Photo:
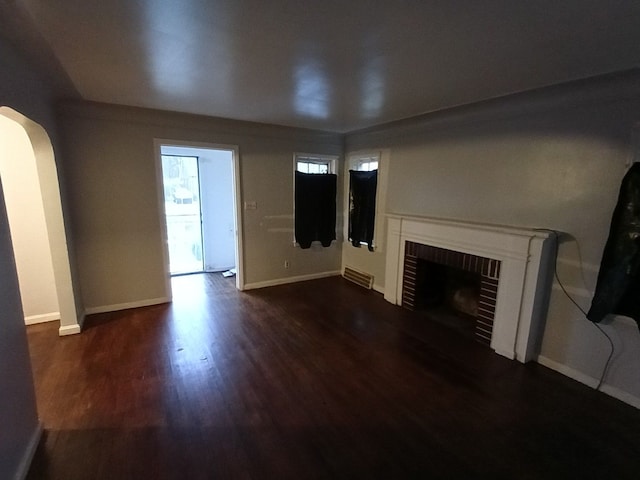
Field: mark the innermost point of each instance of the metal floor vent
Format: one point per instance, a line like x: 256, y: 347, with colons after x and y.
x: 360, y: 278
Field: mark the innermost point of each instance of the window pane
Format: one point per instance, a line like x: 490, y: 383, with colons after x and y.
x: 367, y: 166
x: 312, y: 167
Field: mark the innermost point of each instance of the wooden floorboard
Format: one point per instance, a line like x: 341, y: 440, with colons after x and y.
x: 315, y: 380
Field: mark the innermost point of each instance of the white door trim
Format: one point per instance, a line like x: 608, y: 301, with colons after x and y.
x: 237, y: 196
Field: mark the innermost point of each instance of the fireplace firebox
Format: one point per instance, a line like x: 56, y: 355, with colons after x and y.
x: 456, y: 288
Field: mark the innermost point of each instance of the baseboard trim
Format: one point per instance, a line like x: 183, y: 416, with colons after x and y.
x: 27, y: 458
x: 125, y: 306
x: 284, y: 281
x: 378, y: 288
x: 42, y: 318
x: 578, y: 376
x: 65, y: 330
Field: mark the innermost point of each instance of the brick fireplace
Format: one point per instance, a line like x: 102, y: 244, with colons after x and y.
x: 513, y: 265
x: 486, y: 269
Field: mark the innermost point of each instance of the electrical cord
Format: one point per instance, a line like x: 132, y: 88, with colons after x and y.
x: 577, y: 305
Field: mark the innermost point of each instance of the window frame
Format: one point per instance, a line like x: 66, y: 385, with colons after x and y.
x: 318, y: 159
x: 355, y: 159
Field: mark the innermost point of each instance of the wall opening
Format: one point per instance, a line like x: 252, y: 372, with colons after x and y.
x: 199, y: 201
x: 45, y: 199
x: 29, y: 235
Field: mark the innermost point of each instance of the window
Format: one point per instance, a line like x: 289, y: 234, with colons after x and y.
x: 366, y: 164
x: 370, y: 231
x: 314, y: 199
x: 314, y: 163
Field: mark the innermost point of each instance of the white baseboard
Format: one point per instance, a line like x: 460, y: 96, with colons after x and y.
x: 69, y: 329
x: 510, y: 354
x: 283, y: 281
x: 30, y: 451
x: 378, y: 288
x: 126, y: 306
x: 42, y: 318
x: 589, y: 381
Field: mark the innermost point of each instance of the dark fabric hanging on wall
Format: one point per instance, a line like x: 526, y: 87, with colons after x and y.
x: 362, y: 209
x: 315, y: 208
x: 618, y: 286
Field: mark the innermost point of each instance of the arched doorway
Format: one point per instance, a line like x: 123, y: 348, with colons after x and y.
x: 50, y: 195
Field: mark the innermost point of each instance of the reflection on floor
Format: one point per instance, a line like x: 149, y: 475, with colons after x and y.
x: 320, y: 379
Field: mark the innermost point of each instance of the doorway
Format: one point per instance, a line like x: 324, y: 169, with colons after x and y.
x: 37, y: 157
x: 199, y: 192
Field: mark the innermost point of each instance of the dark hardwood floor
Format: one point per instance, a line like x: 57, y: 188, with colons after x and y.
x: 314, y: 380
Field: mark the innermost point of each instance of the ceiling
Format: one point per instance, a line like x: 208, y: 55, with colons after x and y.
x: 331, y: 65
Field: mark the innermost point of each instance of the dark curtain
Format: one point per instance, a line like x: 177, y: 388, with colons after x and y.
x: 362, y: 209
x: 618, y: 286
x: 315, y: 208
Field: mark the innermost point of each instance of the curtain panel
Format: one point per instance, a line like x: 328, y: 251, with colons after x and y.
x: 362, y: 207
x: 315, y: 208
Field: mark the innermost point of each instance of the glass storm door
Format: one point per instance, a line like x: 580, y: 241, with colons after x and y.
x: 183, y: 214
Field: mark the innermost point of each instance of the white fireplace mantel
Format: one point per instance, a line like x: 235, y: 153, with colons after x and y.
x: 526, y: 267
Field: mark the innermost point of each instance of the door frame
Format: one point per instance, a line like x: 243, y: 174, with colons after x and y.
x: 158, y: 143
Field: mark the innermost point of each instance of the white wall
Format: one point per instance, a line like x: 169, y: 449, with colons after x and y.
x: 27, y: 221
x: 20, y: 88
x: 113, y: 186
x: 216, y: 196
x: 549, y: 159
x: 27, y: 97
x: 18, y: 415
